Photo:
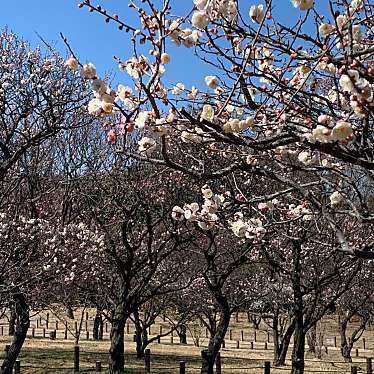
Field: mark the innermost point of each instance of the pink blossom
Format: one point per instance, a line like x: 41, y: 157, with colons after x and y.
x: 111, y: 136
x: 263, y: 207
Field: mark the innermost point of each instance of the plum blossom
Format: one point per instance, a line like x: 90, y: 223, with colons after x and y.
x: 72, y: 63
x: 211, y: 81
x: 111, y: 136
x: 200, y: 19
x: 141, y: 119
x: 336, y: 198
x: 88, y: 71
x: 342, y: 130
x: 146, y: 145
x: 326, y: 29
x: 124, y: 92
x: 165, y: 58
x: 303, y: 4
x: 177, y: 213
x: 178, y: 89
x: 256, y: 12
x: 207, y: 113
x: 94, y: 107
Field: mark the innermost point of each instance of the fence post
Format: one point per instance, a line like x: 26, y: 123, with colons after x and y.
x: 87, y: 335
x: 147, y: 360
x: 33, y: 332
x: 251, y: 345
x: 230, y: 334
x: 268, y: 337
x: 218, y: 363
x: 335, y: 342
x: 354, y: 370
x: 369, y: 366
x: 171, y: 339
x: 267, y: 367
x: 43, y: 332
x: 76, y: 358
x: 255, y: 336
x: 357, y: 354
x: 237, y: 344
x: 52, y: 335
x: 223, y: 343
x: 364, y: 343
x: 17, y: 367
x: 98, y: 366
x: 182, y: 367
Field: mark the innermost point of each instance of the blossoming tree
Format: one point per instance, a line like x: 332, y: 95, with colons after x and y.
x: 299, y: 95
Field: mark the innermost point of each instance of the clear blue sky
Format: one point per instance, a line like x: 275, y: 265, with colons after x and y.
x: 96, y: 41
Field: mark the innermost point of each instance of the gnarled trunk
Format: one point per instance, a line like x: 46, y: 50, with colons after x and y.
x: 141, y: 336
x: 117, y: 346
x: 298, y: 352
x: 209, y: 355
x: 282, y: 344
x: 345, y: 346
x: 22, y: 325
x: 117, y: 335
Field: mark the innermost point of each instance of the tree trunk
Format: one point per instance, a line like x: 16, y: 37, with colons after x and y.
x: 117, y: 347
x: 69, y: 312
x: 12, y: 321
x: 281, y: 354
x: 298, y: 350
x: 117, y: 334
x: 298, y: 353
x: 345, y: 346
x: 98, y: 326
x: 182, y: 333
x: 311, y: 338
x: 209, y: 355
x: 22, y: 325
x: 141, y: 336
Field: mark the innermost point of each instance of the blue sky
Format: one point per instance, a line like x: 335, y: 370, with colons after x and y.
x: 94, y: 40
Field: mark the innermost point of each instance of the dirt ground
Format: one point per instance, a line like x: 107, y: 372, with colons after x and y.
x: 44, y: 356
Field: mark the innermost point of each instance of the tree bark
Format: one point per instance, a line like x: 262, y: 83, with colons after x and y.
x: 182, y: 333
x: 345, y: 346
x: 210, y: 354
x: 98, y: 326
x: 298, y: 353
x: 12, y: 321
x: 283, y: 344
x: 117, y: 337
x: 22, y: 325
x: 141, y: 336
